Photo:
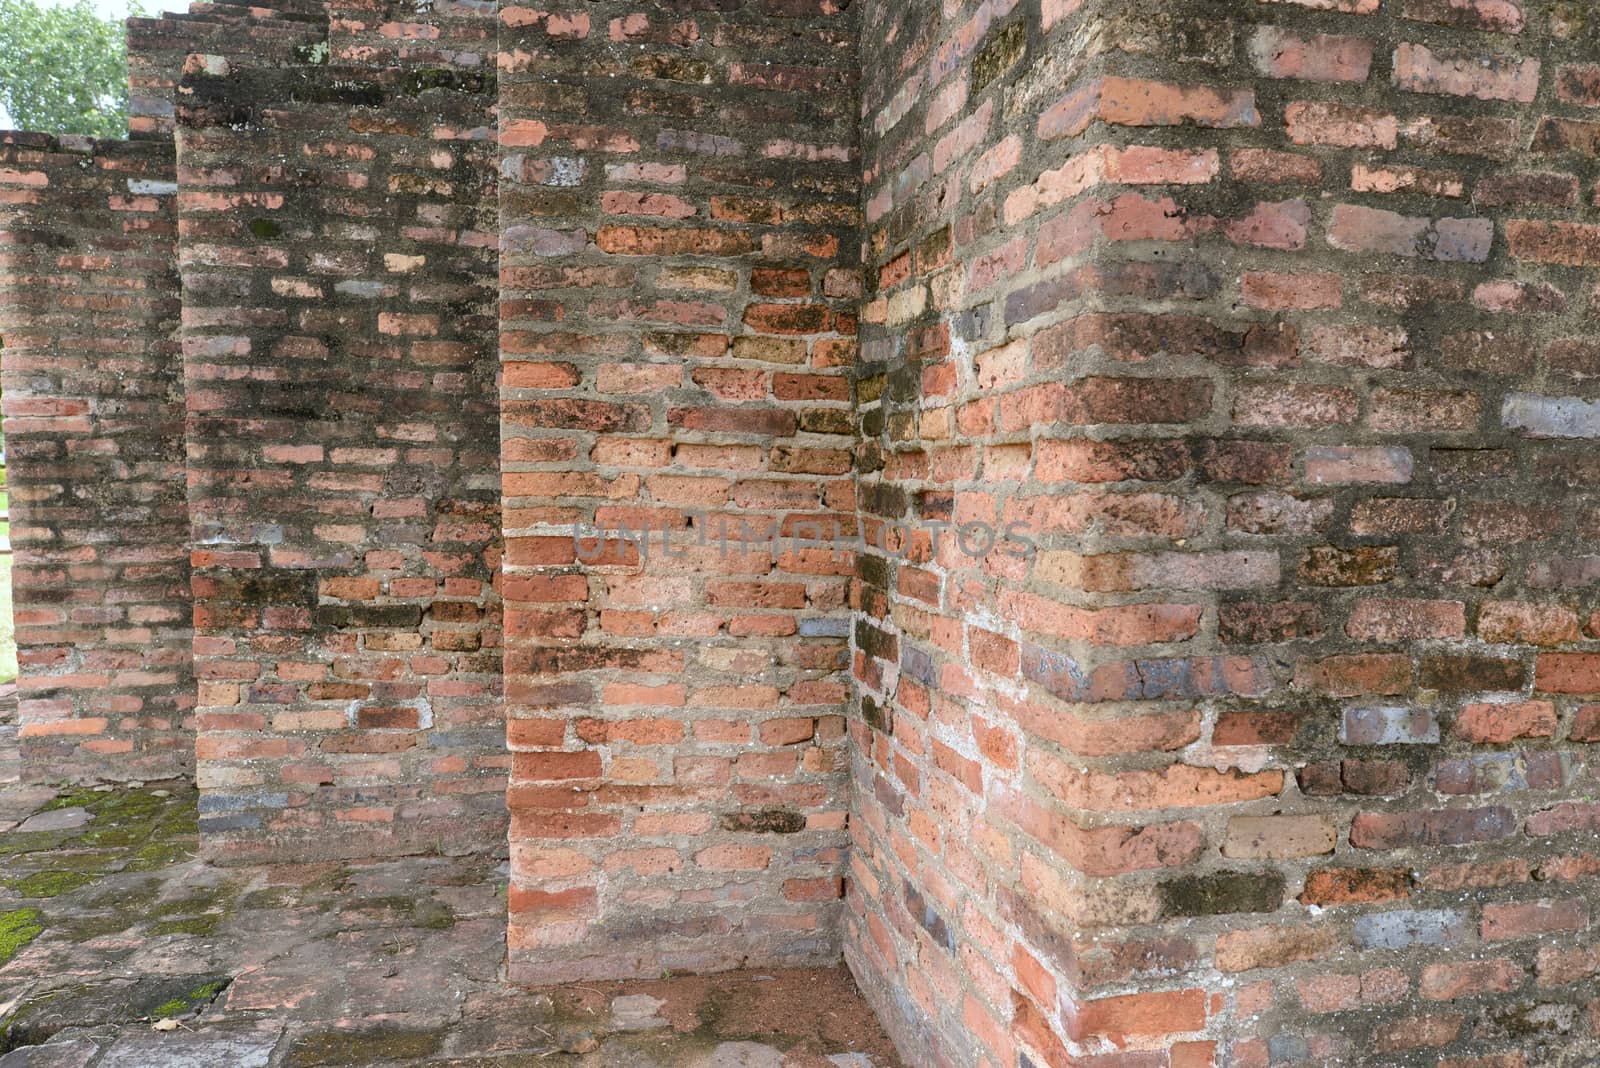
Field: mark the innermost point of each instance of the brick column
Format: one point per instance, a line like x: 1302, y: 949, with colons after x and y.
x: 1268, y: 320
x: 677, y: 326
x: 338, y: 253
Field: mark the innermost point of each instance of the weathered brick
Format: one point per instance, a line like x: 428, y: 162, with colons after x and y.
x: 1355, y: 886
x: 1319, y: 58
x: 1451, y: 827
x: 1418, y: 69
x: 1279, y: 837
x: 1528, y: 918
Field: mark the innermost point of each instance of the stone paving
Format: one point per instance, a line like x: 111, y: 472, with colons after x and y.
x: 120, y: 949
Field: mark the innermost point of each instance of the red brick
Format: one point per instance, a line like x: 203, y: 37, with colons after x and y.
x: 1320, y: 58
x: 1134, y: 102
x: 1340, y: 125
x: 1446, y: 982
x: 1505, y: 723
x: 1526, y: 919
x: 1355, y: 886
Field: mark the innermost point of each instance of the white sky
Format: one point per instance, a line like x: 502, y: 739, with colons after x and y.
x: 107, y: 9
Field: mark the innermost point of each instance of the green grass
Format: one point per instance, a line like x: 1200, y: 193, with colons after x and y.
x: 8, y: 632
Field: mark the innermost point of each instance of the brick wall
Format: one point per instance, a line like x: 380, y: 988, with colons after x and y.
x: 338, y: 252
x: 1268, y: 319
x: 1200, y: 595
x: 678, y: 289
x: 94, y: 436
x: 255, y: 34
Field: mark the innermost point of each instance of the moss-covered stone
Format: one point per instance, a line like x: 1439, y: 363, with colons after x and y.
x: 127, y: 804
x: 116, y: 835
x: 153, y: 856
x: 17, y: 844
x: 410, y: 912
x: 91, y: 860
x: 183, y: 823
x: 328, y: 1048
x: 88, y: 928
x: 190, y: 1002
x: 75, y: 799
x: 17, y: 929
x: 126, y: 896
x: 434, y: 915
x: 389, y: 903
x: 43, y: 884
x: 200, y: 926
x: 273, y: 897
x: 200, y: 899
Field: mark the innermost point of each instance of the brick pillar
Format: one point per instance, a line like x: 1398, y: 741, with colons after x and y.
x: 677, y: 325
x: 94, y: 440
x: 338, y: 252
x: 1268, y: 319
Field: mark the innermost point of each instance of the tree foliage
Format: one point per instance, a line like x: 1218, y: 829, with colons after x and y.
x: 63, y: 70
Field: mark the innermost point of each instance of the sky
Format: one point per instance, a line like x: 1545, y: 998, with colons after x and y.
x: 107, y: 9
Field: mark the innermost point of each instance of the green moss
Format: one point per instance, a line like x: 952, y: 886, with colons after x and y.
x: 116, y: 836
x: 156, y: 855
x: 265, y: 228
x: 127, y: 804
x: 15, y: 844
x: 191, y: 1002
x: 64, y: 858
x: 17, y: 929
x: 51, y: 883
x: 75, y: 799
x: 209, y: 991
x: 183, y: 823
